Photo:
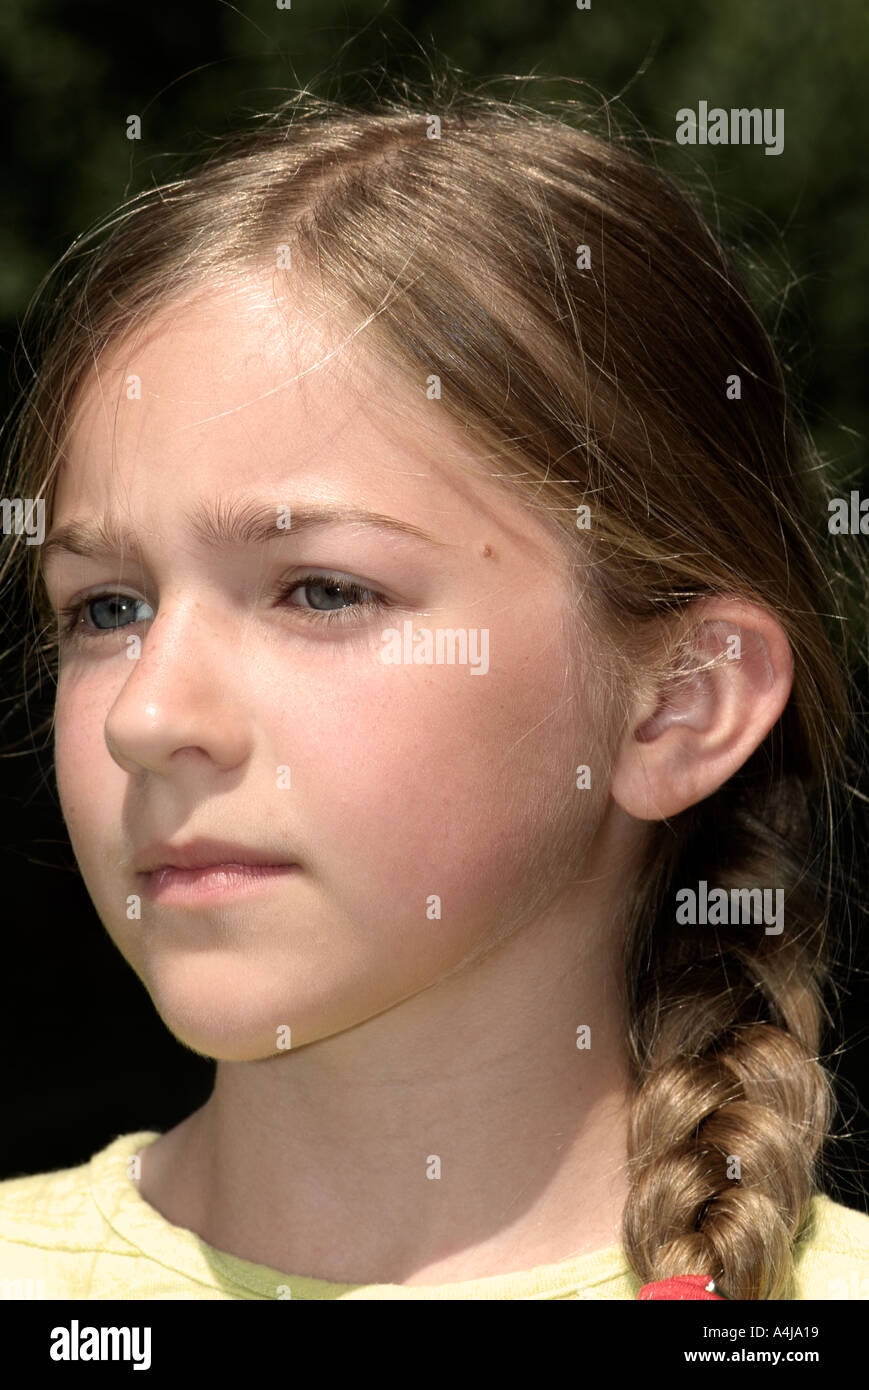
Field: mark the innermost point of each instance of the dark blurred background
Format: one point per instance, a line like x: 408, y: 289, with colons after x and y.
x: 85, y: 1056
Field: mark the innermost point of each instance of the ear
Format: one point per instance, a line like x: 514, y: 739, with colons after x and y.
x: 710, y: 717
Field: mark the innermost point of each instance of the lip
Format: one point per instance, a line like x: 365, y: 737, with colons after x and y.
x: 211, y: 883
x: 204, y: 853
x: 205, y: 870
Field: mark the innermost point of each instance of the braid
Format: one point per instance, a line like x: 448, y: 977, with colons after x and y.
x: 725, y: 1031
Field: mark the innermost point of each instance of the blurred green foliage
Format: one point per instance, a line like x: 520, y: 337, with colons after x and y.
x: 72, y: 73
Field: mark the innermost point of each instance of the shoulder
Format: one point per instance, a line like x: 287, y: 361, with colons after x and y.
x: 831, y: 1255
x: 46, y: 1215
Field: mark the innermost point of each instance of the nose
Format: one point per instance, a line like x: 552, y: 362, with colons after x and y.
x: 180, y: 702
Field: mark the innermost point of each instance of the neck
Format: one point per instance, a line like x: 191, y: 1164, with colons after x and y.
x: 460, y: 1134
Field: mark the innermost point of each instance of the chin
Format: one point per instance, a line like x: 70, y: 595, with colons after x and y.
x: 225, y: 1039
x: 219, y: 1049
x: 230, y: 1009
x: 219, y: 1010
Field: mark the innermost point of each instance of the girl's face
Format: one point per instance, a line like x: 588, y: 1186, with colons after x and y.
x: 204, y: 691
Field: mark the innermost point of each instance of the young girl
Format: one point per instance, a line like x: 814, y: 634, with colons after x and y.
x: 447, y: 728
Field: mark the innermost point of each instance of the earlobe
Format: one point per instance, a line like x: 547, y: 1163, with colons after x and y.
x: 710, y: 716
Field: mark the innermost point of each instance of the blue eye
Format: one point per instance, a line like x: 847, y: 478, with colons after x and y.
x: 117, y: 608
x: 80, y: 621
x: 124, y: 604
x: 331, y: 584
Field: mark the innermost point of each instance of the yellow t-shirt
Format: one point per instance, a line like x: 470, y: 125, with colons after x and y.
x: 86, y: 1233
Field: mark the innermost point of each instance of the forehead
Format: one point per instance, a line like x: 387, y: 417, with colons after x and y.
x: 234, y: 393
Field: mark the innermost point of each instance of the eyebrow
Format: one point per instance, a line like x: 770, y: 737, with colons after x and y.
x: 221, y: 528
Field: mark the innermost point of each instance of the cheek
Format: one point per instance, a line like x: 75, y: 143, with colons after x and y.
x: 83, y: 765
x: 431, y: 780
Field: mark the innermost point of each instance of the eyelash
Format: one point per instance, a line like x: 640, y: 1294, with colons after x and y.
x: 72, y: 627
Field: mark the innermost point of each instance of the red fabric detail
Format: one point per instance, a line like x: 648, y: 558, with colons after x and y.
x: 683, y: 1286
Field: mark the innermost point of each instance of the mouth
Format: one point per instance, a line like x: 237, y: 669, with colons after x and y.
x: 212, y: 882
x: 208, y: 870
